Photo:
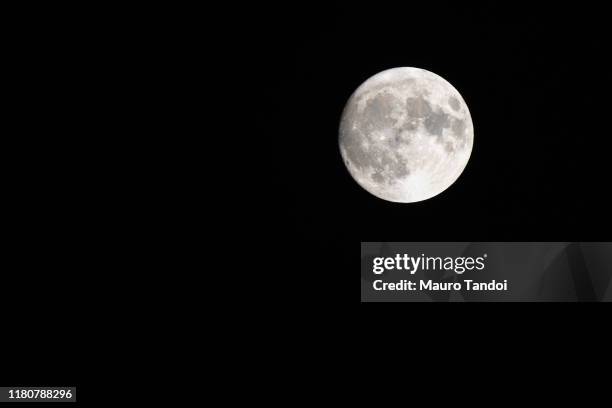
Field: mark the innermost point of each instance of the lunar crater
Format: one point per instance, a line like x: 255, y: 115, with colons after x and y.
x: 454, y: 103
x: 436, y: 122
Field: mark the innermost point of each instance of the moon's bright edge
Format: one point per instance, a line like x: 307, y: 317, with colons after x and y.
x: 406, y: 135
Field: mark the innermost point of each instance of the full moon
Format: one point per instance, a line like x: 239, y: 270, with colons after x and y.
x: 406, y: 135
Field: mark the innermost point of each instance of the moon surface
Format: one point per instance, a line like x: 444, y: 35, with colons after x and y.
x: 406, y: 135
